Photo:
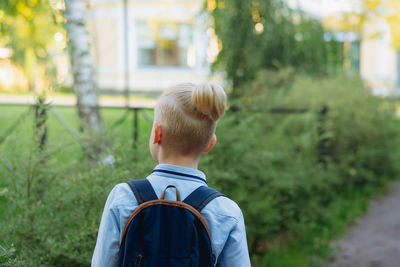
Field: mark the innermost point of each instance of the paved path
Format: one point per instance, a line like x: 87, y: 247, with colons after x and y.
x: 374, y: 241
x: 71, y: 101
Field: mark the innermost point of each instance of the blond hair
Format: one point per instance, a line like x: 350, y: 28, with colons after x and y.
x: 189, y: 113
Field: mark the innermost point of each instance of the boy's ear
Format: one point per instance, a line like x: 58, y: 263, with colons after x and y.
x: 211, y: 144
x: 157, y: 133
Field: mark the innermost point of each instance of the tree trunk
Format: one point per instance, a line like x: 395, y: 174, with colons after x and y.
x: 83, y: 74
x: 82, y: 68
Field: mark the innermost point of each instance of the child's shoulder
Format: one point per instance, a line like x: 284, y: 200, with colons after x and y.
x: 121, y: 194
x: 225, y: 207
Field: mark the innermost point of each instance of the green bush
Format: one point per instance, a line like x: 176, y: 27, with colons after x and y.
x: 56, y: 223
x: 51, y: 200
x: 284, y: 169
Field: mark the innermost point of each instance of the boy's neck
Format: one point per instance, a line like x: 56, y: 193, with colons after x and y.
x: 180, y: 161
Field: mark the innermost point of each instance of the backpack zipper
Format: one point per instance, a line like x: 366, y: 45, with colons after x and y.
x: 138, y: 260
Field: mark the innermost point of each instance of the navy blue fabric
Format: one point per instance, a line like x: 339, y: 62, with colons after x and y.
x: 163, y: 235
x: 142, y: 190
x: 200, y: 197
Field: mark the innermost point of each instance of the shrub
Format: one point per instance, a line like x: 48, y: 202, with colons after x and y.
x: 51, y: 200
x: 284, y: 169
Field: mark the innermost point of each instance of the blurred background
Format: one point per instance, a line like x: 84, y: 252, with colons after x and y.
x: 147, y: 46
x: 313, y: 86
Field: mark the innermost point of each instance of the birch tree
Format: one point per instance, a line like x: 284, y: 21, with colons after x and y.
x: 83, y: 73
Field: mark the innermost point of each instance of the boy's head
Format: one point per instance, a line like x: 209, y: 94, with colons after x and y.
x: 185, y: 118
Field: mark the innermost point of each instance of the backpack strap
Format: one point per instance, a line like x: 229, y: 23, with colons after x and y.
x: 200, y: 197
x: 142, y: 190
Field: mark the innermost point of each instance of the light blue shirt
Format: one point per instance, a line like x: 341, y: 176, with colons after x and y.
x: 223, y: 217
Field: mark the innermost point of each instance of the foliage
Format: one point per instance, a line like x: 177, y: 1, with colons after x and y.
x: 372, y: 13
x: 387, y: 10
x: 343, y: 22
x: 8, y: 257
x: 267, y: 35
x: 28, y: 27
x: 53, y: 198
x: 313, y: 245
x: 285, y: 169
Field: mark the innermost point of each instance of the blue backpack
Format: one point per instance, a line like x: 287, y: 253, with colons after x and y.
x: 164, y: 233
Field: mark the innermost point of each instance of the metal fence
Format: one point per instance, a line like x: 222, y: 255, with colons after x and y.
x: 41, y: 109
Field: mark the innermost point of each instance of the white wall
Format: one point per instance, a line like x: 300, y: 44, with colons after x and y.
x: 378, y: 58
x: 106, y: 27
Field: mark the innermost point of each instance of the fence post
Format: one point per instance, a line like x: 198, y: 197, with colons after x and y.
x: 322, y: 148
x: 135, y: 127
x: 41, y: 121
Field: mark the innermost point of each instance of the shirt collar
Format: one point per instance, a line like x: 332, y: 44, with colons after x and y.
x: 179, y: 172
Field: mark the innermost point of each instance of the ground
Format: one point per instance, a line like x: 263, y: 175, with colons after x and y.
x: 374, y: 241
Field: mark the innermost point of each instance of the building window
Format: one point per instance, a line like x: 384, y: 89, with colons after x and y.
x: 165, y: 44
x: 355, y: 56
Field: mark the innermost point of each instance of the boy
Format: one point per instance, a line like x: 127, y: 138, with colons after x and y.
x: 185, y: 118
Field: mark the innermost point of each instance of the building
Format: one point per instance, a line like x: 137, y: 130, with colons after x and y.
x: 380, y: 63
x: 150, y: 45
x: 371, y: 52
